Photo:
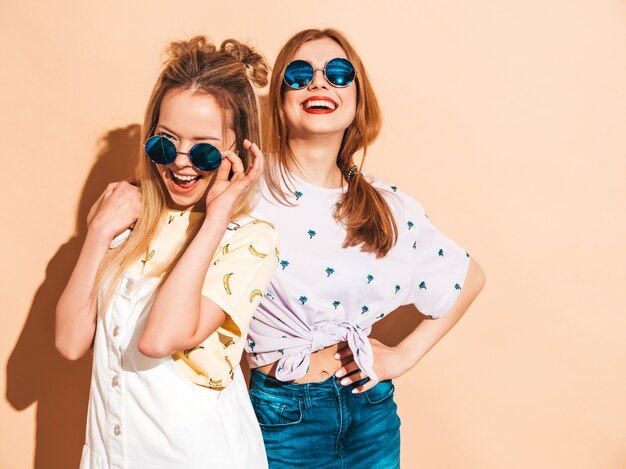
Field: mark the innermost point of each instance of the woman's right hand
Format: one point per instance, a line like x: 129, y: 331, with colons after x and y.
x: 116, y: 209
x: 224, y: 192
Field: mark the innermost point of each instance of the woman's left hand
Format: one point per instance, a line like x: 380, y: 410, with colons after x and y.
x: 388, y: 364
x: 224, y: 193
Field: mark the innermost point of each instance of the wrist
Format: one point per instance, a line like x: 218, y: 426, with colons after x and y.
x: 218, y: 214
x: 406, y: 357
x: 215, y: 222
x: 100, y: 231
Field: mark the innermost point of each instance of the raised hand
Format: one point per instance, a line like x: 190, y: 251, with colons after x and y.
x: 116, y: 209
x: 224, y: 193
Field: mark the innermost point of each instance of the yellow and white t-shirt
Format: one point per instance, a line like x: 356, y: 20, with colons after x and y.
x: 240, y: 270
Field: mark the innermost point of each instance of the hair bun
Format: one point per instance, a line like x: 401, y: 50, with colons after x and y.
x: 193, y: 51
x: 257, y: 68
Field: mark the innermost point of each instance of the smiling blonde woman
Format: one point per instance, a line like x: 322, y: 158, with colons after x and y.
x: 172, y: 268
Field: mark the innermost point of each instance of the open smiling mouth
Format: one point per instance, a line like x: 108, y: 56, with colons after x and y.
x: 318, y: 106
x: 185, y: 183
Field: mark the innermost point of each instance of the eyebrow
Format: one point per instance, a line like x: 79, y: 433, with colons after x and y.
x: 203, y: 137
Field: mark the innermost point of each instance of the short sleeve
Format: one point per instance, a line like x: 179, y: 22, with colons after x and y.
x: 240, y: 272
x: 439, y: 264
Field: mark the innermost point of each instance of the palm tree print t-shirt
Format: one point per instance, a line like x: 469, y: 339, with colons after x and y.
x: 323, y: 293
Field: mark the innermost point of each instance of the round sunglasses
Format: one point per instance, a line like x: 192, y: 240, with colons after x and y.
x: 338, y: 72
x: 203, y: 156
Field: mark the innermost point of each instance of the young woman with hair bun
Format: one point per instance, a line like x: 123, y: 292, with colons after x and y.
x: 353, y: 249
x: 172, y: 268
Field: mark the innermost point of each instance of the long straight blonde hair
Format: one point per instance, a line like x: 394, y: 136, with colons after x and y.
x: 362, y: 209
x: 227, y: 74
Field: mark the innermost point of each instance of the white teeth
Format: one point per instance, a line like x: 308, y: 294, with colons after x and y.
x: 320, y: 103
x: 183, y: 178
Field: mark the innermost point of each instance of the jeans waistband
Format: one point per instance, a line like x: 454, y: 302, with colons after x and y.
x: 305, y: 391
x: 271, y: 385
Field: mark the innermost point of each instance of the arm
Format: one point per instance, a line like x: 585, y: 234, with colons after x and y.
x: 116, y: 209
x: 391, y: 362
x: 181, y: 317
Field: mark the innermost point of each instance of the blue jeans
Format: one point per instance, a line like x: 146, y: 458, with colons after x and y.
x: 324, y: 426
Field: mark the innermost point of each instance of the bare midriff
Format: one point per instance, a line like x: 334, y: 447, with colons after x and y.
x: 322, y: 365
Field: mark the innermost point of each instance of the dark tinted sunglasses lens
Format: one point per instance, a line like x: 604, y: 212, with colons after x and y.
x: 298, y: 74
x: 205, y: 157
x: 160, y: 150
x: 340, y: 72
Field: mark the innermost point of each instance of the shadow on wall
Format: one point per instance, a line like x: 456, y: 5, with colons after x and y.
x: 36, y: 373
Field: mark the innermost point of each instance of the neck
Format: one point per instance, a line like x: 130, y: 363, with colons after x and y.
x: 316, y: 160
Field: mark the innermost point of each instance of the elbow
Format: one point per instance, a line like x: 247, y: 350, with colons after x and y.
x: 477, y: 278
x: 68, y: 351
x: 71, y: 341
x: 482, y: 278
x: 153, y: 347
x: 69, y: 346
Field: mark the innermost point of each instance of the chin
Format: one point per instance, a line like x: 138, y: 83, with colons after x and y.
x: 183, y: 202
x: 184, y: 199
x: 323, y: 130
x: 177, y: 202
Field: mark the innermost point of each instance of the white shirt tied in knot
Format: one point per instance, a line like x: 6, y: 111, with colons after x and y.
x: 296, y: 364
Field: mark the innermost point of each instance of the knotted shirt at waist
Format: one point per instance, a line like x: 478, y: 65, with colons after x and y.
x: 295, y: 358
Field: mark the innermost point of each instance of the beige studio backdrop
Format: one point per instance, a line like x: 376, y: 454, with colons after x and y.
x: 506, y: 119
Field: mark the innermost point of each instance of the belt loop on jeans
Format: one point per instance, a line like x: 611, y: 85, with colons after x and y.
x: 306, y: 396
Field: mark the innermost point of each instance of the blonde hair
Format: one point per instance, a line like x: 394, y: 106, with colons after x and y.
x: 227, y: 74
x: 362, y: 209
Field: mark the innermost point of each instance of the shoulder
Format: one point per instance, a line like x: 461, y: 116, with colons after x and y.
x: 402, y: 204
x: 272, y: 197
x: 253, y: 229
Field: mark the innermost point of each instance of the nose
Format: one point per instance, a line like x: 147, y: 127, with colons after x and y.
x: 182, y: 158
x: 319, y: 80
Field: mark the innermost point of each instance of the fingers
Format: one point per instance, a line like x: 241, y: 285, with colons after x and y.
x: 349, y: 373
x: 126, y: 191
x: 256, y: 166
x: 121, y: 187
x: 240, y: 179
x: 254, y: 148
x: 365, y: 387
x: 127, y: 184
x: 235, y: 161
x: 346, y: 369
x: 108, y: 190
x: 353, y: 378
x: 356, y: 377
x: 236, y: 165
x: 118, y: 207
x: 223, y: 171
x: 343, y: 353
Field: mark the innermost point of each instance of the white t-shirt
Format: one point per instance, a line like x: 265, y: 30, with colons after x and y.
x: 323, y: 293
